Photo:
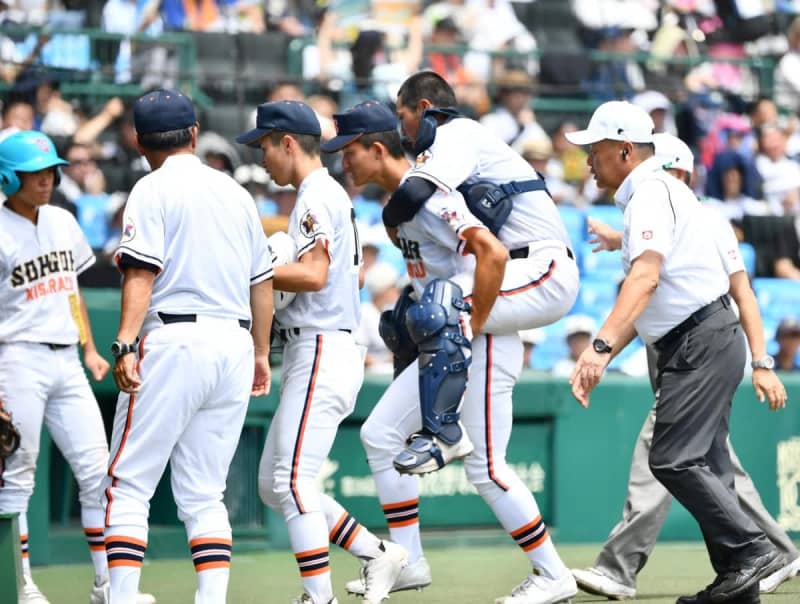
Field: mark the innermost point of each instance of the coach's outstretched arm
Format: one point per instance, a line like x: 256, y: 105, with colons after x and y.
x: 261, y: 306
x: 137, y: 287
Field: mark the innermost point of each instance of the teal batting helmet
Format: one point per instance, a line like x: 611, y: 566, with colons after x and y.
x: 26, y: 151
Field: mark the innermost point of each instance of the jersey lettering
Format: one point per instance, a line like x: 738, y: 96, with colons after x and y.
x: 51, y: 286
x: 414, y: 264
x: 38, y: 268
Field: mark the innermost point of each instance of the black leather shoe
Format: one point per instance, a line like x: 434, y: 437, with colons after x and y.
x: 749, y: 596
x: 733, y: 584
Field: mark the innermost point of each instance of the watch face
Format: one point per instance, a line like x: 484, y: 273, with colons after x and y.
x: 601, y: 346
x: 115, y: 348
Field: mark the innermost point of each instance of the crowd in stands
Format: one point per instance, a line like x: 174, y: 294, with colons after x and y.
x: 724, y: 75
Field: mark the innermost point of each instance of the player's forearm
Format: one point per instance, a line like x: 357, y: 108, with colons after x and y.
x: 261, y: 306
x: 749, y: 314
x: 488, y: 279
x: 637, y: 289
x: 137, y: 288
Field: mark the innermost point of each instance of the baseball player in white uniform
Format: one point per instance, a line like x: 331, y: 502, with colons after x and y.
x: 322, y: 365
x: 505, y: 193
x: 451, y: 247
x: 43, y: 319
x: 197, y: 275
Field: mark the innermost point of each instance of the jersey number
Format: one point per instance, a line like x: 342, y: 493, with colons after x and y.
x: 416, y: 270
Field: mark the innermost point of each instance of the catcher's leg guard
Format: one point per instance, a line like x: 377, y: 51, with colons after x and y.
x: 394, y: 332
x: 444, y: 355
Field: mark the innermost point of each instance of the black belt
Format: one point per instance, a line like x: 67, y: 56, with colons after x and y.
x: 524, y: 252
x: 52, y: 346
x: 168, y: 318
x: 285, y: 332
x: 697, y: 317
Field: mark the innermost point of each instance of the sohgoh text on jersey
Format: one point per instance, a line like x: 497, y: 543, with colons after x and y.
x: 59, y: 265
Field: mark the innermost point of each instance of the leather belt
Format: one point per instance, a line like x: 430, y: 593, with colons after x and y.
x: 697, y: 317
x: 168, y: 318
x: 524, y: 252
x: 52, y: 346
x: 286, y: 333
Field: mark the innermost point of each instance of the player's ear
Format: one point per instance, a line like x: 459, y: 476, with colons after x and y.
x: 423, y: 105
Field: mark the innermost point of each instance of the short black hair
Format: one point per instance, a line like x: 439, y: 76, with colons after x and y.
x: 426, y: 85
x: 166, y: 141
x: 309, y: 143
x: 13, y: 102
x: 646, y: 149
x: 389, y: 139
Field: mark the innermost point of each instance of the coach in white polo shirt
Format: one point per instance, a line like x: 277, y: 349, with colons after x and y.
x: 674, y: 297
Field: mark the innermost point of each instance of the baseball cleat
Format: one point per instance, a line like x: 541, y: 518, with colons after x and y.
x: 771, y: 582
x: 592, y: 581
x: 30, y: 594
x: 536, y: 589
x: 306, y: 599
x: 426, y: 453
x: 381, y: 572
x: 414, y: 576
x: 101, y: 595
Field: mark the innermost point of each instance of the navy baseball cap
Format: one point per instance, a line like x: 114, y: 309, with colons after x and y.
x: 286, y: 116
x: 366, y: 117
x: 163, y: 111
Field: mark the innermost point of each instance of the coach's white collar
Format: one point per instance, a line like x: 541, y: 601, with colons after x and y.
x: 637, y: 175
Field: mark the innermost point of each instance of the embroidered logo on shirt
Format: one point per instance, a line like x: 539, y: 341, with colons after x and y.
x: 129, y: 231
x: 647, y: 234
x: 451, y: 217
x: 423, y: 157
x: 733, y: 254
x: 309, y: 224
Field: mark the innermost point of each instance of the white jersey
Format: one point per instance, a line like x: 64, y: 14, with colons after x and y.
x: 432, y: 242
x: 324, y: 213
x: 39, y: 268
x: 167, y: 218
x: 465, y: 151
x: 727, y: 244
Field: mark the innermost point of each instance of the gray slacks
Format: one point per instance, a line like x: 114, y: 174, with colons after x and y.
x: 629, y: 545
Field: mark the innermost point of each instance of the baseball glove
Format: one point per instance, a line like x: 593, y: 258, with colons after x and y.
x: 9, y: 435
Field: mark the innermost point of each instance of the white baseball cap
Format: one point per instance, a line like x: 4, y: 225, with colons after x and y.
x: 575, y: 324
x: 616, y: 121
x: 672, y: 152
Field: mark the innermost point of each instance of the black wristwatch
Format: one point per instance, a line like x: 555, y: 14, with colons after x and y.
x: 601, y: 346
x: 120, y: 349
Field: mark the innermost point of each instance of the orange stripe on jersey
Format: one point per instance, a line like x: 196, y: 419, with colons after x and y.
x: 124, y: 440
x: 505, y: 293
x: 488, y: 415
x: 298, y: 446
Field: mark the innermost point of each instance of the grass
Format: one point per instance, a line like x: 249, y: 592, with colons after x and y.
x: 461, y: 575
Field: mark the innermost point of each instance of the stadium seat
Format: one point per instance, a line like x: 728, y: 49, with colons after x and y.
x: 748, y: 253
x: 595, y: 298
x: 575, y: 222
x: 611, y: 215
x: 226, y: 120
x: 600, y: 265
x: 216, y: 63
x: 777, y: 298
x: 263, y: 59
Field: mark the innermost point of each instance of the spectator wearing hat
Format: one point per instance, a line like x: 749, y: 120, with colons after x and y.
x: 512, y: 118
x: 538, y: 152
x: 788, y: 338
x: 660, y: 109
x: 578, y: 332
x: 530, y: 338
x: 381, y: 284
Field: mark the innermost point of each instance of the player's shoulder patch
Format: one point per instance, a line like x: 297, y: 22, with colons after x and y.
x: 423, y: 157
x: 128, y: 231
x: 309, y: 224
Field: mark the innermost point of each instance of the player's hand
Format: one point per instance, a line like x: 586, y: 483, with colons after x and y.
x: 126, y: 375
x: 587, y: 373
x: 96, y: 364
x: 768, y: 386
x: 262, y: 378
x: 604, y: 236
